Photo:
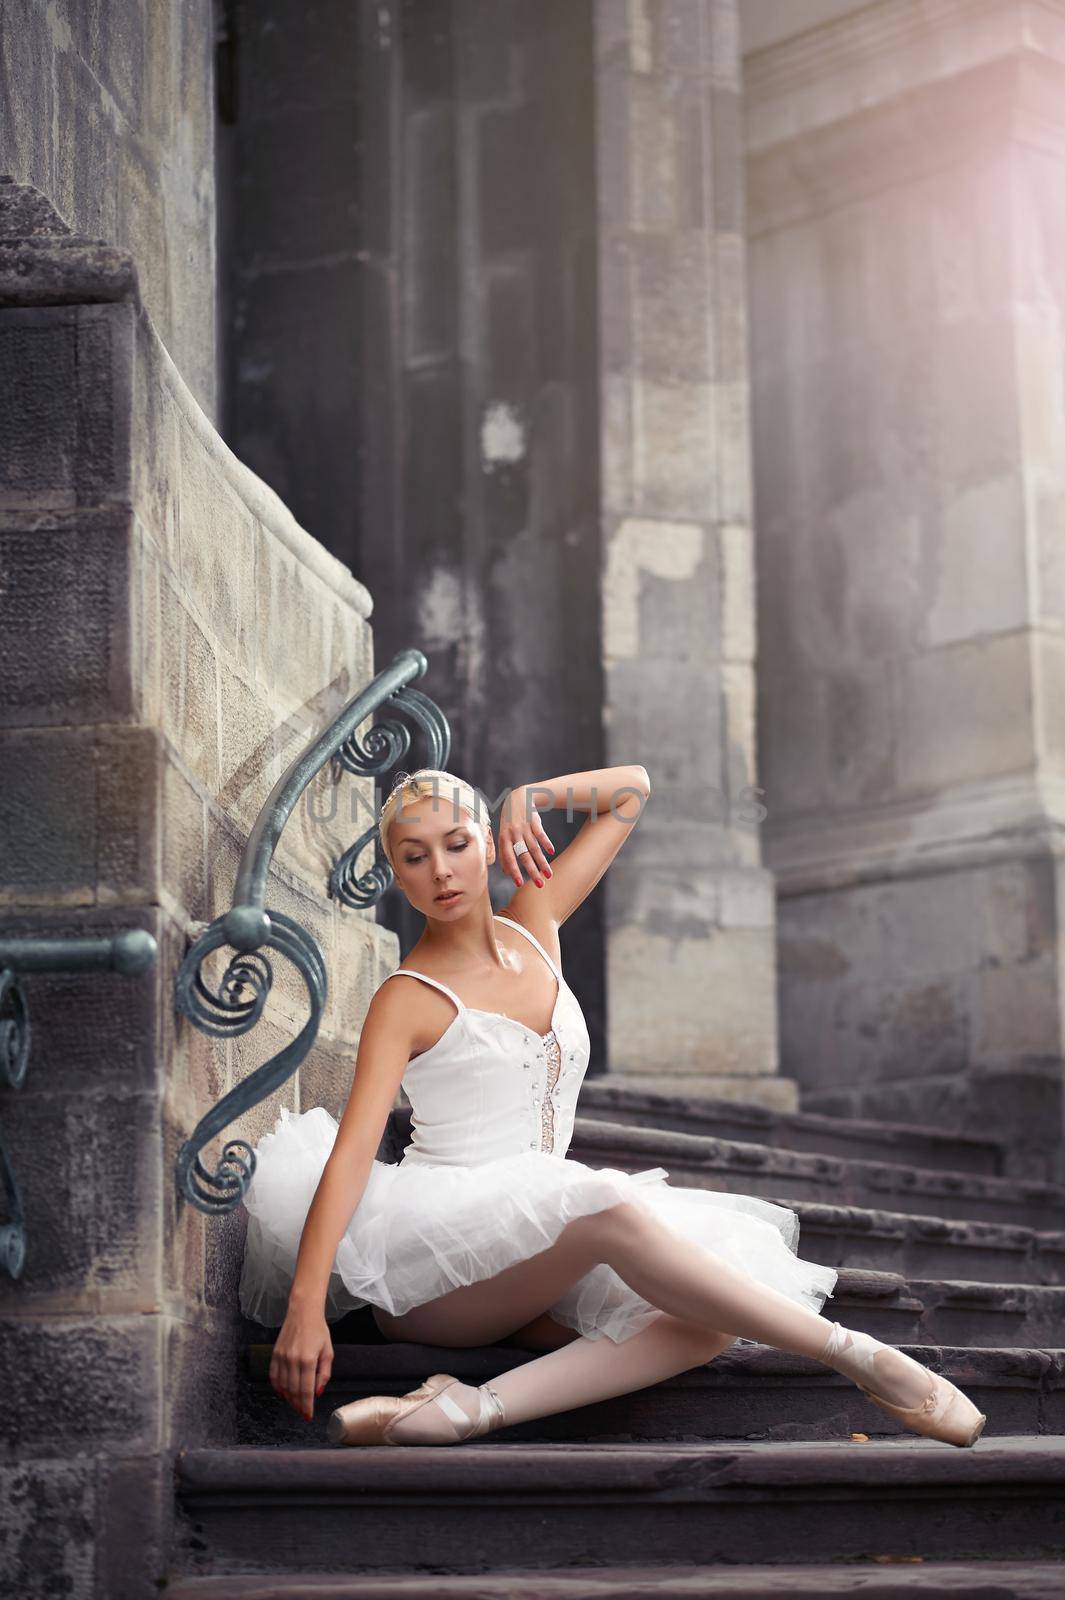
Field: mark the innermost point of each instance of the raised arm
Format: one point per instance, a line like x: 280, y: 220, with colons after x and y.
x: 614, y: 797
x: 302, y: 1358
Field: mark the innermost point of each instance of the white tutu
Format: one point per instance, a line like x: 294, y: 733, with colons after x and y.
x: 420, y: 1230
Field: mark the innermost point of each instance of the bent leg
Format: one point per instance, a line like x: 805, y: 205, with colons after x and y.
x: 485, y: 1312
x: 598, y: 1369
x: 585, y: 1371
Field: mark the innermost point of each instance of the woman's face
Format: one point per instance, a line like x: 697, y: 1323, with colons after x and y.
x: 437, y: 848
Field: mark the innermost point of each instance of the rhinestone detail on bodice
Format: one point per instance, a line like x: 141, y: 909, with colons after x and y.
x: 547, y: 1111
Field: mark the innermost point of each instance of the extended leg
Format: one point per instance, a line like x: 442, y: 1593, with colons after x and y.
x: 695, y: 1284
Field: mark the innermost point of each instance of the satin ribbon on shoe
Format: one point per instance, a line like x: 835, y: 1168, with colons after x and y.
x: 490, y: 1412
x: 450, y: 1422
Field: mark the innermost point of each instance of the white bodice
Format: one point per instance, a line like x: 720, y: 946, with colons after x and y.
x: 490, y: 1086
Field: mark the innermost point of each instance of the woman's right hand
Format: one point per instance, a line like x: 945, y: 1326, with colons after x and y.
x: 303, y: 1358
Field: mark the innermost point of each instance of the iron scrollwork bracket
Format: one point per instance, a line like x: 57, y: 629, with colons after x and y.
x: 386, y: 744
x: 250, y: 928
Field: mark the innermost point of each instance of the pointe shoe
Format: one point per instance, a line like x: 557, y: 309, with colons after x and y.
x: 945, y: 1413
x: 370, y: 1421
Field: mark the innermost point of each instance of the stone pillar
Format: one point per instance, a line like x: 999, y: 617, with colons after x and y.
x: 906, y: 233
x: 691, y: 997
x: 171, y: 640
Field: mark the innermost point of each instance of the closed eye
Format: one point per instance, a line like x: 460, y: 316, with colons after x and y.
x: 413, y: 860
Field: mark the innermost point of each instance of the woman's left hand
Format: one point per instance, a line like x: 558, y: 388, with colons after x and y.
x: 520, y: 820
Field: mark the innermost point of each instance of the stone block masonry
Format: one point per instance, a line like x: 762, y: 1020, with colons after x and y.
x: 171, y: 640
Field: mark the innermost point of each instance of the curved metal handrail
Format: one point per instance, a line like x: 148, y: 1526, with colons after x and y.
x: 249, y: 928
x: 130, y: 952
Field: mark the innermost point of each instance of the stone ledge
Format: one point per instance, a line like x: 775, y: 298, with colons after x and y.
x: 684, y: 1472
x: 672, y: 1580
x: 857, y: 61
x: 64, y: 271
x: 383, y: 1509
x: 796, y: 172
x: 928, y: 1246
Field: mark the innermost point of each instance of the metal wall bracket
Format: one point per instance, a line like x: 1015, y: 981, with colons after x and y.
x: 131, y: 952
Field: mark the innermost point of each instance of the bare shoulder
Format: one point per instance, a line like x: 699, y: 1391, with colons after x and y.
x: 407, y: 1012
x: 394, y: 1010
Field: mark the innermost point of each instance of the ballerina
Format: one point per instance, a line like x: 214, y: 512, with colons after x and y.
x: 485, y: 1230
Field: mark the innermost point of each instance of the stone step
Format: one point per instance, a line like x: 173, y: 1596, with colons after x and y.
x: 879, y: 1577
x: 931, y: 1246
x: 750, y: 1391
x: 697, y: 1161
x: 902, y: 1143
x: 962, y: 1312
x: 488, y: 1505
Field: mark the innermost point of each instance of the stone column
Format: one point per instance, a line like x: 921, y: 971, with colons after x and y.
x: 691, y: 997
x: 907, y: 229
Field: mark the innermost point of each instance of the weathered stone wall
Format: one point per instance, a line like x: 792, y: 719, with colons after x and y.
x: 109, y: 111
x: 690, y: 908
x: 906, y: 223
x: 172, y: 639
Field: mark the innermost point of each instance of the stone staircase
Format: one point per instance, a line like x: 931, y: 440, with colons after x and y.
x: 741, y: 1477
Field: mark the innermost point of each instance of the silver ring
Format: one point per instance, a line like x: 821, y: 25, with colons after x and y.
x: 520, y: 848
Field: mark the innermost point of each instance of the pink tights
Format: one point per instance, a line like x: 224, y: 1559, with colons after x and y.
x: 706, y: 1304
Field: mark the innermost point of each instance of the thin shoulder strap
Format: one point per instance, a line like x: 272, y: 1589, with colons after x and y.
x: 409, y: 972
x: 533, y: 940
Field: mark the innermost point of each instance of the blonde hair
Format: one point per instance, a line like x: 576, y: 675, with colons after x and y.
x: 430, y: 781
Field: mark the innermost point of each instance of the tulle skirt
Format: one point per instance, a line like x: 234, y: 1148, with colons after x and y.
x: 420, y: 1230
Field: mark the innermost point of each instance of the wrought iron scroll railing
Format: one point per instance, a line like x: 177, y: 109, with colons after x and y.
x: 251, y: 929
x: 130, y: 952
